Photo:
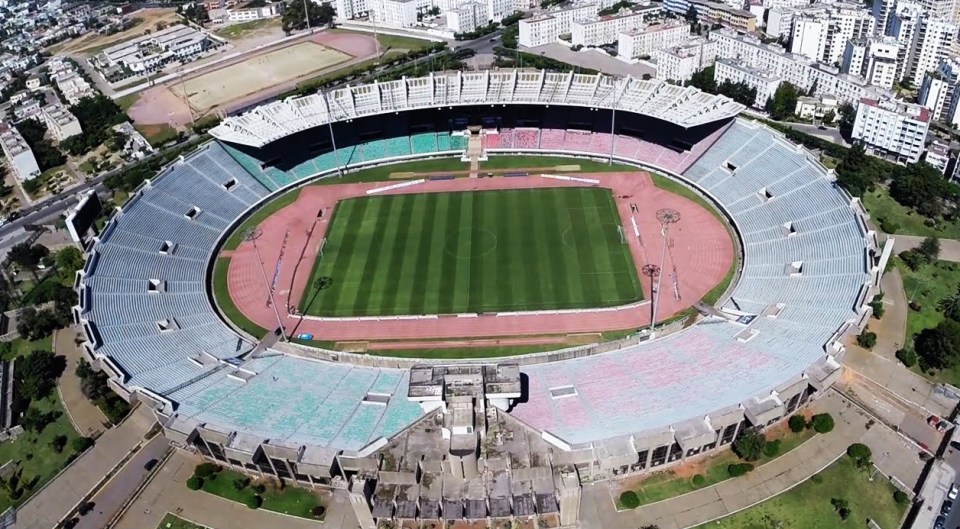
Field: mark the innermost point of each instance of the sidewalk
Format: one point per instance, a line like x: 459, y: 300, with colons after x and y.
x: 46, y: 508
x: 949, y: 248
x: 730, y: 496
x: 168, y: 493
x: 86, y: 417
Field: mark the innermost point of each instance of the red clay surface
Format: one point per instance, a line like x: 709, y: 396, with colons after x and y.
x: 699, y: 252
x: 355, y: 44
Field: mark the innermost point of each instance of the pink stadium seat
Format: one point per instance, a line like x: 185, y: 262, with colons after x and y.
x: 577, y: 140
x: 491, y: 141
x: 526, y: 139
x: 551, y: 139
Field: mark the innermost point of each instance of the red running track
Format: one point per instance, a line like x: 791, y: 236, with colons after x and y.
x: 699, y: 254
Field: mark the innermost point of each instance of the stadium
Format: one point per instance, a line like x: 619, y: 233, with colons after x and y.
x: 448, y: 441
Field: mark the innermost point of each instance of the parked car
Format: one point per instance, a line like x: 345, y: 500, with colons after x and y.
x: 954, y: 490
x: 946, y: 507
x: 940, y: 522
x: 150, y: 464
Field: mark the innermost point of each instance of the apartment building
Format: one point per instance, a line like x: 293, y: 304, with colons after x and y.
x: 467, y: 17
x: 393, y: 13
x: 780, y: 22
x: 874, y: 59
x: 926, y: 41
x: 60, y: 122
x: 18, y: 153
x: 737, y: 71
x: 795, y: 69
x: 817, y: 107
x: 679, y: 63
x: 604, y: 30
x: 728, y: 17
x: 938, y: 155
x: 546, y: 28
x: 939, y: 92
x: 649, y: 39
x: 822, y: 31
x: 892, y: 129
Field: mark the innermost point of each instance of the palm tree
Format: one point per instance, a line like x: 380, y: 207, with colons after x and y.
x: 950, y: 305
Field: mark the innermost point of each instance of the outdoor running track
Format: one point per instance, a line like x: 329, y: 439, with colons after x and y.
x: 699, y: 248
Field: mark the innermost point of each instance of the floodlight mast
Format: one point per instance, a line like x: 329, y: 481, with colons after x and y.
x: 252, y: 235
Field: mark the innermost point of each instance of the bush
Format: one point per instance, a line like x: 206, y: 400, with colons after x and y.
x: 772, y: 449
x: 241, y: 483
x: 749, y: 446
x: 822, y: 423
x: 739, y: 469
x: 915, y: 307
x: 859, y: 451
x: 797, y: 423
x: 816, y: 478
x: 254, y: 502
x: 867, y: 339
x: 901, y: 497
x: 907, y: 357
x: 841, y: 506
x: 194, y: 483
x: 259, y: 488
x: 629, y: 499
x: 888, y: 226
x: 205, y: 470
x: 81, y: 443
x: 699, y: 480
x: 318, y: 511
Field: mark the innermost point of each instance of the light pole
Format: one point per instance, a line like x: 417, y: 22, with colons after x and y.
x: 666, y: 216
x: 252, y: 234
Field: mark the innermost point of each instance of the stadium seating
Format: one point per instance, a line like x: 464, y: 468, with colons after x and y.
x: 168, y: 229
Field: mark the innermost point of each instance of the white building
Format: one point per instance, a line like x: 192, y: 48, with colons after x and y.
x: 18, y: 153
x: 245, y: 12
x: 800, y: 71
x: 817, y: 107
x: 468, y: 17
x: 891, y: 129
x: 780, y: 22
x: 822, y: 31
x: 149, y: 52
x: 74, y: 88
x: 604, y: 30
x: 347, y: 9
x: 647, y: 40
x: 60, y: 122
x: 926, y: 40
x: 873, y: 59
x: 736, y: 71
x: 939, y: 92
x: 679, y: 63
x: 938, y: 155
x: 394, y: 13
x: 547, y: 27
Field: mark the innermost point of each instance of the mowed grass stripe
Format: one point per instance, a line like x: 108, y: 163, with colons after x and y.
x: 416, y: 255
x: 474, y: 252
x: 626, y: 281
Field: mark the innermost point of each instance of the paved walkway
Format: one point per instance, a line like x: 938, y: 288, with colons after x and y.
x: 86, y: 417
x: 168, y: 493
x: 949, y: 248
x: 52, y: 503
x: 728, y: 497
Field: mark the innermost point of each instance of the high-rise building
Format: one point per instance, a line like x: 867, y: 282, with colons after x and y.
x: 821, y: 31
x: 939, y: 92
x: 680, y: 62
x: 873, y: 59
x: 926, y: 41
x: 892, y: 129
x: 546, y: 27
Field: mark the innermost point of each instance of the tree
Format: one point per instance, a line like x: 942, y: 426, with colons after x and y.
x: 35, y: 420
x: 750, y: 444
x: 37, y: 372
x: 691, y: 15
x: 822, y: 423
x: 829, y: 116
x: 194, y: 483
x: 739, y: 469
x: 921, y: 187
x: 860, y: 453
x: 950, y: 305
x: 704, y: 80
x: 58, y: 443
x: 319, y: 15
x: 783, y: 103
x: 842, y: 507
x: 34, y: 324
x: 907, y: 357
x: 867, y: 339
x: 930, y: 248
x: 34, y: 132
x: 205, y: 470
x: 80, y: 444
x: 27, y: 256
x: 939, y: 347
x: 69, y: 260
x: 900, y: 497
x: 772, y: 449
x: 254, y: 502
x: 797, y: 423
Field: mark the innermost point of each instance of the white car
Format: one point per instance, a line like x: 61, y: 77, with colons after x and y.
x: 954, y: 490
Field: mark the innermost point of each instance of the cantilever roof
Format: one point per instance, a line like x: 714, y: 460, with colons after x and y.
x: 684, y: 106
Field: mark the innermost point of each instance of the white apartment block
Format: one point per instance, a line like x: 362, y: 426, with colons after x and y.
x: 679, y: 63
x: 939, y: 91
x: 777, y: 4
x: 926, y: 40
x: 18, y: 153
x: 882, y: 11
x: 347, y: 9
x: 645, y: 41
x: 821, y: 32
x: 468, y: 17
x: 817, y: 107
x: 800, y: 71
x: 736, y: 71
x: 891, y: 129
x: 938, y: 155
x: 394, y: 13
x: 149, y: 52
x: 780, y: 21
x: 873, y: 59
x: 244, y: 13
x: 60, y: 122
x: 547, y: 27
x: 74, y: 88
x: 604, y: 30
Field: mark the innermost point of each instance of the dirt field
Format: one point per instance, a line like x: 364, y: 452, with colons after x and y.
x: 91, y: 43
x: 213, y: 89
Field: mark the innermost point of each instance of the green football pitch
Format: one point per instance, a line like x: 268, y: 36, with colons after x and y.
x: 482, y: 251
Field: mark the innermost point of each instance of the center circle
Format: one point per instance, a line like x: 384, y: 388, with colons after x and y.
x: 471, y: 243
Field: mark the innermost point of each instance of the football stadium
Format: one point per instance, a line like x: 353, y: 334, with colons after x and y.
x: 222, y: 292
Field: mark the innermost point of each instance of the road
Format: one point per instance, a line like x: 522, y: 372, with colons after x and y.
x: 111, y: 498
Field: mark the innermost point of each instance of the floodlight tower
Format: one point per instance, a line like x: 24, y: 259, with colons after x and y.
x: 666, y: 216
x: 653, y: 272
x: 252, y: 234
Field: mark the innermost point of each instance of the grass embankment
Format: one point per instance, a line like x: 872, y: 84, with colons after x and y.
x: 808, y: 505
x: 290, y: 500
x: 925, y: 288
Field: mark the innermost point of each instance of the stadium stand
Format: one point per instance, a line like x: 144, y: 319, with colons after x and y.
x: 149, y: 322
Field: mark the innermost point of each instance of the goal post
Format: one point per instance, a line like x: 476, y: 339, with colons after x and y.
x: 323, y: 242
x: 623, y: 238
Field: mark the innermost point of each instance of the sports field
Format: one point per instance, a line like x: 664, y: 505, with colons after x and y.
x: 482, y: 251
